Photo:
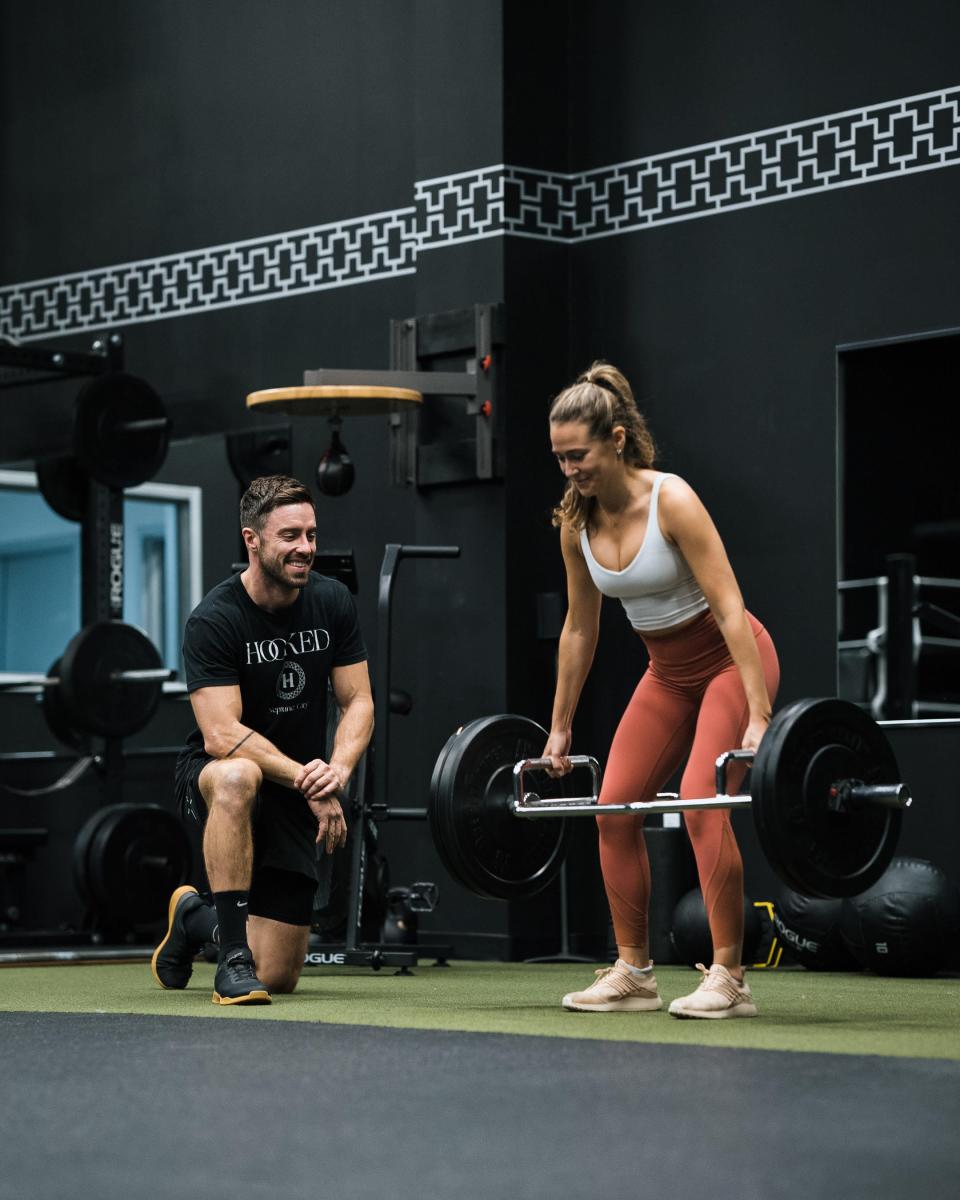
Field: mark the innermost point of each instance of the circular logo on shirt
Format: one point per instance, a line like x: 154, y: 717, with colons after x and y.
x: 291, y: 680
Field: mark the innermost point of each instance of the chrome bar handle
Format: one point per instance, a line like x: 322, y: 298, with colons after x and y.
x: 725, y: 757
x: 541, y: 764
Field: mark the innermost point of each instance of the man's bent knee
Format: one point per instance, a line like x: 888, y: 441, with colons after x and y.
x: 278, y: 982
x: 278, y: 969
x: 278, y: 950
x: 230, y: 784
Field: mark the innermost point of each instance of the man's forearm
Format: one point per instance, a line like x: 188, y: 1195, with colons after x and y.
x: 353, y: 733
x: 241, y: 742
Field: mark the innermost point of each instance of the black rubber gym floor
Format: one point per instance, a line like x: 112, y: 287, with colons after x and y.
x: 119, y: 1106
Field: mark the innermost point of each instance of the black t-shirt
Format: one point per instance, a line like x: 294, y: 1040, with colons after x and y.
x: 281, y: 662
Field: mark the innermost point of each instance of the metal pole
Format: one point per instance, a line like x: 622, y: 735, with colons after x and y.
x: 392, y: 554
x: 358, y: 855
x: 899, y: 644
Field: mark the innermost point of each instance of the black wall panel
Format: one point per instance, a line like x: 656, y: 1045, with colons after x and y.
x: 132, y: 130
x: 653, y: 78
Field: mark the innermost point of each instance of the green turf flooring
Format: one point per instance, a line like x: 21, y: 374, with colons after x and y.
x: 799, y: 1010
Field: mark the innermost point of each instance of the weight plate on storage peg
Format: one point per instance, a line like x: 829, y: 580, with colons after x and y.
x: 136, y: 855
x: 94, y: 701
x: 479, y: 840
x: 815, y: 849
x: 121, y: 430
x: 64, y: 485
x: 81, y: 848
x: 58, y: 717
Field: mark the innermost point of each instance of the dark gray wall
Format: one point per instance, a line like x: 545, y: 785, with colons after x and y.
x: 729, y: 325
x: 163, y: 127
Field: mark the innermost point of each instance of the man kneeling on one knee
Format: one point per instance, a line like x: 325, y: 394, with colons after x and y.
x: 259, y: 651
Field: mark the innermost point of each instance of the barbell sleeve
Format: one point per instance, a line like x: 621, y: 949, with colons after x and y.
x: 147, y: 675
x: 389, y: 812
x: 146, y: 425
x: 887, y: 795
x: 25, y: 683
x: 883, y: 795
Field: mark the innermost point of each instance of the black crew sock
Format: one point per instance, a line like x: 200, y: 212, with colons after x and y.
x: 231, y: 910
x: 200, y: 923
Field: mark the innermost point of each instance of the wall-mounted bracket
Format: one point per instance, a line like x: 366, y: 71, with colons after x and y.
x: 22, y: 365
x: 445, y: 440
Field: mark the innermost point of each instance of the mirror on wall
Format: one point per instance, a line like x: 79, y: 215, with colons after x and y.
x: 898, y: 512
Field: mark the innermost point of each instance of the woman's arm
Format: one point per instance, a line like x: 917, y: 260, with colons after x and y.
x: 686, y: 522
x: 578, y: 641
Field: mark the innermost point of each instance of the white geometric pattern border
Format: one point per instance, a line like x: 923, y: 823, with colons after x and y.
x: 863, y: 145
x: 176, y: 285
x: 920, y: 133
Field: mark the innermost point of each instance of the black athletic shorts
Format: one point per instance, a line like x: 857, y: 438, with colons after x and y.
x: 280, y: 889
x: 284, y: 896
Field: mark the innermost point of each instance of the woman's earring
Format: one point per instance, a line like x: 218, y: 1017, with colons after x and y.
x: 619, y: 451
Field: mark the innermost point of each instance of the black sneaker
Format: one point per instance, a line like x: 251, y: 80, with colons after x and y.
x: 236, y: 980
x: 172, y: 962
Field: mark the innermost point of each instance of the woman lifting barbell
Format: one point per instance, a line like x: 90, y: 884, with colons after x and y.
x: 645, y: 538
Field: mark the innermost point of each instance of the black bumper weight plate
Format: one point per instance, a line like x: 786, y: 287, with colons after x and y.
x: 81, y: 848
x: 64, y: 485
x: 94, y: 702
x: 58, y: 717
x: 815, y: 850
x: 105, y: 447
x: 134, y: 856
x: 477, y: 837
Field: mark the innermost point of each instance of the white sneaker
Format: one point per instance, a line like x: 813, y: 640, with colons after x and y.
x: 719, y: 995
x: 616, y: 989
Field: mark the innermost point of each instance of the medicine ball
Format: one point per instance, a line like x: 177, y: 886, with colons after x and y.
x: 690, y: 932
x: 907, y: 923
x: 809, y: 931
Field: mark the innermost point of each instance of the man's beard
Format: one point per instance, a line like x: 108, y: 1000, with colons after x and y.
x: 272, y: 571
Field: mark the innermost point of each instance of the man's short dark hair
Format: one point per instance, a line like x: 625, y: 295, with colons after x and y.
x: 270, y: 492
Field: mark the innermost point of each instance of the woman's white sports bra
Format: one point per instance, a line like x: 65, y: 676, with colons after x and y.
x: 657, y: 589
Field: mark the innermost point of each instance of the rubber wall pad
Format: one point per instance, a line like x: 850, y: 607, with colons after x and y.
x: 118, y: 1105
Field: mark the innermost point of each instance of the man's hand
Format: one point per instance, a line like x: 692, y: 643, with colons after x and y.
x: 331, y: 823
x: 318, y: 779
x: 320, y: 782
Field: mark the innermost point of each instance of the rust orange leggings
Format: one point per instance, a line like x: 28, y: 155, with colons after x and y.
x: 690, y: 699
